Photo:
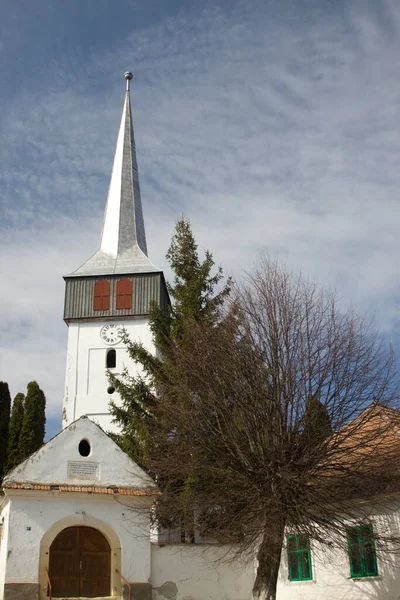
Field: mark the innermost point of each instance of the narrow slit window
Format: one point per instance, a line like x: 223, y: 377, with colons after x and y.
x: 299, y: 557
x: 111, y: 359
x: 362, y: 554
x: 101, y: 295
x: 124, y: 294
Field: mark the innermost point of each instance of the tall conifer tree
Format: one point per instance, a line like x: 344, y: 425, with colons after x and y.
x: 5, y: 407
x: 194, y: 297
x: 14, y: 456
x: 33, y: 425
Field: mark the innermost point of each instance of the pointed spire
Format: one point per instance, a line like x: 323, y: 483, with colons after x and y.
x: 123, y: 247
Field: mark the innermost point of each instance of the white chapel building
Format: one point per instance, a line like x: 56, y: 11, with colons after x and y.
x: 75, y: 516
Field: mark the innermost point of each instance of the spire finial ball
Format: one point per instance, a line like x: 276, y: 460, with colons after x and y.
x: 128, y: 75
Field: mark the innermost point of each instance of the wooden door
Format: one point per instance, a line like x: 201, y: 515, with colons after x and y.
x: 80, y: 564
x: 95, y: 563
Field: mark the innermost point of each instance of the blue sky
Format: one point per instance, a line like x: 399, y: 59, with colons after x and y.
x: 273, y: 125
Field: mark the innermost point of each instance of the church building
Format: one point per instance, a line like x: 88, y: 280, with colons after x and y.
x: 75, y: 515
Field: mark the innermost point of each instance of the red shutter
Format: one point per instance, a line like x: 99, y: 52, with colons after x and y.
x: 124, y: 294
x: 101, y: 295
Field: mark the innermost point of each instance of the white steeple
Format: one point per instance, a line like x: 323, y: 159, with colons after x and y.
x: 123, y: 247
x: 113, y: 290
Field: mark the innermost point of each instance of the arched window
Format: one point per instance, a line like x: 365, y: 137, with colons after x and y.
x: 111, y: 359
x: 101, y: 295
x: 124, y: 294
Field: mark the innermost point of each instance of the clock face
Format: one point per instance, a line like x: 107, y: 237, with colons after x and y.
x: 111, y: 333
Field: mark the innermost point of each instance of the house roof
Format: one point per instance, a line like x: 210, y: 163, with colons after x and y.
x: 369, y: 444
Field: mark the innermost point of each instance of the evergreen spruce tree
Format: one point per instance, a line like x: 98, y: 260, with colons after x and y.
x: 193, y: 297
x: 14, y: 437
x: 194, y: 300
x: 33, y: 424
x: 5, y: 407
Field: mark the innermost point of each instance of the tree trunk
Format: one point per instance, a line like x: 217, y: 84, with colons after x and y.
x: 268, y: 559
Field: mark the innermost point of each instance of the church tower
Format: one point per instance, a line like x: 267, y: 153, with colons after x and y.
x: 110, y: 291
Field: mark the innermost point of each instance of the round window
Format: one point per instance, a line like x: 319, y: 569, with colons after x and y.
x: 84, y: 448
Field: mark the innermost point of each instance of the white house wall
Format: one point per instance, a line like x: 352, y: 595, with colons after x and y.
x: 331, y: 570
x: 332, y: 581
x: 86, y: 380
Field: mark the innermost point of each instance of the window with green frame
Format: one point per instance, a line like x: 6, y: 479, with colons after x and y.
x: 299, y: 557
x: 361, y: 546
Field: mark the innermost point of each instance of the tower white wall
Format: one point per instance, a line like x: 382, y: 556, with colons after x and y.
x: 86, y: 382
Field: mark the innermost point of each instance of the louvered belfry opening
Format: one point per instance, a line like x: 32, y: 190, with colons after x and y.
x: 80, y: 564
x: 124, y: 294
x: 101, y: 299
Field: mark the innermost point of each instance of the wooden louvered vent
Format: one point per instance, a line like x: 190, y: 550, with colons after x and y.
x: 124, y: 294
x: 101, y: 295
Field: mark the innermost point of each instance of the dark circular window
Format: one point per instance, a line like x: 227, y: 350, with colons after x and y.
x: 84, y: 448
x: 110, y: 390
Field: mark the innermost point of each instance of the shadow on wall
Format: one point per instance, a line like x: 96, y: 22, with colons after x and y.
x: 382, y: 587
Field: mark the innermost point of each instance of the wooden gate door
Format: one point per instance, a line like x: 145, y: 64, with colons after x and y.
x: 80, y: 564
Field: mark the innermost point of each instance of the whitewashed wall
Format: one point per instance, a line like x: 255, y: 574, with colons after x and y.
x: 331, y: 570
x: 181, y: 572
x: 332, y: 581
x: 176, y: 572
x: 86, y: 382
x: 37, y: 517
x: 4, y: 516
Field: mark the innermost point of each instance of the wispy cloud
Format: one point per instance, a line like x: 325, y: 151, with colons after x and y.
x: 274, y: 127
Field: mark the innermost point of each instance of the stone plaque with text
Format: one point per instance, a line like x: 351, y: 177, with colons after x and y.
x: 83, y: 470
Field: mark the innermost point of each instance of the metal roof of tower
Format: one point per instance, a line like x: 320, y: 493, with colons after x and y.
x: 123, y: 247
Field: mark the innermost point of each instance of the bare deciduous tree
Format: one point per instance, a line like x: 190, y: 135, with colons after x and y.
x: 280, y: 415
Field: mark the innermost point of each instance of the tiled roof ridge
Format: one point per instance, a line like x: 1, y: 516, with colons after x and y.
x: 111, y: 490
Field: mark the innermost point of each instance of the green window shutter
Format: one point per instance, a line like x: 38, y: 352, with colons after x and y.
x: 361, y: 548
x: 299, y: 557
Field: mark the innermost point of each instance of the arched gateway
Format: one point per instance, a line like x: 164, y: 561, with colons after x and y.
x: 80, y: 563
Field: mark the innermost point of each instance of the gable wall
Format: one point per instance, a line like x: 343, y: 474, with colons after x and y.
x: 50, y: 464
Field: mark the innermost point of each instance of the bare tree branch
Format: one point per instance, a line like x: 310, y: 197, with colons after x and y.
x: 282, y: 415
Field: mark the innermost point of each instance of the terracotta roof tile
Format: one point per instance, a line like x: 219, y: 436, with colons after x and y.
x: 79, y: 488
